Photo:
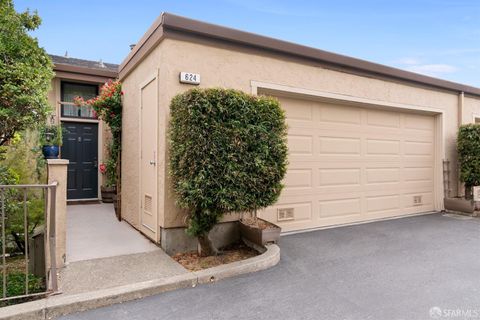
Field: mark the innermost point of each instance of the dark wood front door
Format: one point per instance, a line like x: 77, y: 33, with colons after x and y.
x: 80, y: 146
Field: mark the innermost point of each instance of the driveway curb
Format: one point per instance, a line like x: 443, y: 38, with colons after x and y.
x: 56, y: 306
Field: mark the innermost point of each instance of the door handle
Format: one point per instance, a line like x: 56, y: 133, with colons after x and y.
x: 152, y: 162
x: 95, y: 163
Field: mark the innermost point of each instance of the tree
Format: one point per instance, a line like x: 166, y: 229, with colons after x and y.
x: 228, y: 153
x: 25, y: 72
x: 468, y: 146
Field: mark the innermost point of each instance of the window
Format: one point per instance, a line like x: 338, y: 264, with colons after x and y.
x: 69, y: 91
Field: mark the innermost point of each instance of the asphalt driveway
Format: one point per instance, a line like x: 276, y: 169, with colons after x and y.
x: 423, y: 267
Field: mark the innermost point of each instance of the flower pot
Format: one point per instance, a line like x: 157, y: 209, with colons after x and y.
x: 260, y: 232
x: 50, y: 152
x: 108, y: 193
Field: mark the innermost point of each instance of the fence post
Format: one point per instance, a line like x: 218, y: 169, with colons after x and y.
x: 57, y: 172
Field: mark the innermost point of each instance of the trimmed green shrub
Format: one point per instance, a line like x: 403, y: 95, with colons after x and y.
x: 468, y: 147
x: 228, y: 153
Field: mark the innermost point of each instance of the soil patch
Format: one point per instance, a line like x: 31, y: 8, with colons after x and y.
x: 258, y: 223
x: 193, y: 262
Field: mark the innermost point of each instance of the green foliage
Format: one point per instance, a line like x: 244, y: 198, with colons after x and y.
x: 25, y: 73
x: 51, y: 135
x: 16, y: 285
x: 22, y: 163
x: 228, y: 153
x: 468, y: 146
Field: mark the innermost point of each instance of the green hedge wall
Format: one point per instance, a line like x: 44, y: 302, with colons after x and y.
x: 228, y: 153
x: 468, y: 146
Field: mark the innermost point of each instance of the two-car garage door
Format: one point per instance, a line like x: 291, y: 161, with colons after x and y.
x: 349, y: 164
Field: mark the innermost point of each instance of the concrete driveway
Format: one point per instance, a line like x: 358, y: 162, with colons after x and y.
x: 424, y: 267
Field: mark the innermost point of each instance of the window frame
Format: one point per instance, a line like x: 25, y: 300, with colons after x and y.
x: 62, y: 102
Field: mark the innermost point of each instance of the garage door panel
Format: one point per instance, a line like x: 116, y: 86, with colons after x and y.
x: 339, y: 177
x: 382, y: 147
x: 384, y: 119
x: 300, y: 145
x: 298, y: 178
x: 340, y: 207
x: 331, y: 145
x: 331, y: 113
x: 382, y: 175
x: 382, y: 202
x: 349, y: 164
x: 419, y: 122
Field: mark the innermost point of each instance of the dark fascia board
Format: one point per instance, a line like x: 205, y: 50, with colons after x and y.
x: 76, y: 70
x: 173, y: 22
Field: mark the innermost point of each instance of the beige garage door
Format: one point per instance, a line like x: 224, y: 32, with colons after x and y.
x: 351, y: 164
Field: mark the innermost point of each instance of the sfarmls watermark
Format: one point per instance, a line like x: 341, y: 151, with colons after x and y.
x: 445, y: 313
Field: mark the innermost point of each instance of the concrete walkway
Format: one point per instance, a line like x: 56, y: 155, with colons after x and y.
x: 104, y: 253
x: 103, y: 273
x: 94, y: 232
x: 412, y: 268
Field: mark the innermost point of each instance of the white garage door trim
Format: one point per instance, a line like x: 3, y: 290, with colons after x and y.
x: 320, y: 96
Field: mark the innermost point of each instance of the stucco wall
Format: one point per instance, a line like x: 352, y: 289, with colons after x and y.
x: 471, y: 109
x: 231, y: 68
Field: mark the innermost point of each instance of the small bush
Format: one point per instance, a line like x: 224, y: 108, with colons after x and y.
x: 228, y: 153
x: 16, y: 286
x: 468, y: 146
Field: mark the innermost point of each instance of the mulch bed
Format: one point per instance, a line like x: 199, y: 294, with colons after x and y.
x: 193, y: 262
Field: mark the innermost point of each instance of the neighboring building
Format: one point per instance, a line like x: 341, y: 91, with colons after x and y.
x: 366, y: 141
x: 85, y: 137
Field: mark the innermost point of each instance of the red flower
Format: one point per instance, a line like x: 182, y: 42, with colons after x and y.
x: 103, y: 168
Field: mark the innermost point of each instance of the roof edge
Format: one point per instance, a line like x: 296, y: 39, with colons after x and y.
x: 85, y: 71
x: 168, y: 21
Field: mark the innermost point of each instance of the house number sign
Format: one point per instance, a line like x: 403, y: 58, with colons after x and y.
x: 190, y: 78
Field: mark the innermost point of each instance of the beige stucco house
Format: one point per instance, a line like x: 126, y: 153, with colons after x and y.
x: 366, y: 141
x: 85, y: 137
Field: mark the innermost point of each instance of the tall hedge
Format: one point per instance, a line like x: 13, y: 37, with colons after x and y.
x: 468, y: 146
x: 228, y: 153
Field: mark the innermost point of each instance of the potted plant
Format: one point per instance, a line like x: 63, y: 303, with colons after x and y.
x: 51, y: 139
x: 259, y: 231
x: 108, y: 189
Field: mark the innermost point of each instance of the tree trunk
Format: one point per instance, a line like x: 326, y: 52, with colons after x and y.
x: 468, y: 192
x: 18, y: 241
x: 206, y: 246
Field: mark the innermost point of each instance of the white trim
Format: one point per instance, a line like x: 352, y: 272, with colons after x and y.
x: 439, y: 114
x: 142, y: 85
x: 82, y: 120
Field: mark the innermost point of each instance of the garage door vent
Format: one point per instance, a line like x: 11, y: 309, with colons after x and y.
x: 285, y: 214
x: 417, y: 200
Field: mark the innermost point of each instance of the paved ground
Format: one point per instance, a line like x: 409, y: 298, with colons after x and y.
x: 398, y: 269
x: 103, y: 252
x: 90, y: 275
x: 94, y: 232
